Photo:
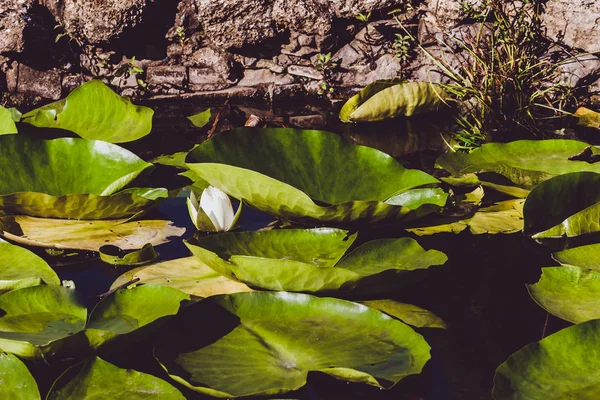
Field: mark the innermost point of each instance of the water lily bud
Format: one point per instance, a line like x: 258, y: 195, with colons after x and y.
x: 214, y: 212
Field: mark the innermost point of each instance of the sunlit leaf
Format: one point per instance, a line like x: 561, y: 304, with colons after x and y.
x: 7, y: 121
x: 407, y: 313
x: 16, y: 380
x: 201, y: 119
x: 20, y: 268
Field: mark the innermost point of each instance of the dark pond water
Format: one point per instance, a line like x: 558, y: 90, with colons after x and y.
x: 480, y: 293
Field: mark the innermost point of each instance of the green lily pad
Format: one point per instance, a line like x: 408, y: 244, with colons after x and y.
x: 96, y: 379
x: 558, y: 367
x: 39, y: 320
x: 389, y: 99
x: 116, y: 256
x: 503, y: 217
x: 525, y: 162
x: 189, y: 274
x: 70, y: 178
x: 17, y: 382
x: 569, y: 293
x: 471, y: 180
x: 7, y: 121
x: 21, y: 268
x: 87, y: 235
x: 266, y: 343
x: 309, y: 260
x: 407, y: 313
x: 566, y: 205
x: 585, y: 257
x: 93, y: 111
x: 307, y: 176
x: 200, y: 119
x: 48, y: 320
x: 129, y: 310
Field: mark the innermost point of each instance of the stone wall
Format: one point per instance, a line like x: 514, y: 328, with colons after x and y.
x: 251, y: 49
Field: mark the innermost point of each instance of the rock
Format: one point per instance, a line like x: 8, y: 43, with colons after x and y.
x: 304, y: 71
x: 204, y: 79
x: 13, y: 21
x: 256, y: 77
x: 350, y: 8
x: 236, y: 23
x: 348, y: 56
x: 271, y: 66
x: 306, y: 40
x: 575, y: 23
x: 575, y: 72
x: 306, y: 16
x: 315, y: 121
x: 96, y: 22
x: 209, y: 57
x: 449, y: 13
x: 423, y: 69
x: 167, y: 76
x: 72, y: 81
x: 386, y: 67
x: 46, y: 84
x: 283, y: 93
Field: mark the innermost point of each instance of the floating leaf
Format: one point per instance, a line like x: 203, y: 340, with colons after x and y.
x: 588, y: 118
x: 20, y: 268
x: 585, y: 257
x: 17, y: 382
x: 7, y: 121
x: 503, y: 217
x: 569, y: 293
x: 407, y: 313
x: 525, y: 162
x: 128, y: 310
x: 308, y: 260
x: 306, y: 176
x: 96, y: 378
x: 93, y: 111
x: 70, y: 178
x: 116, y: 256
x: 384, y: 100
x: 471, y: 180
x: 201, y: 119
x: 558, y: 367
x: 566, y: 205
x: 39, y: 320
x: 266, y: 343
x: 189, y: 275
x: 87, y: 235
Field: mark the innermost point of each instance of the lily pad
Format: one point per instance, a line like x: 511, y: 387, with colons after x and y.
x: 87, y: 235
x: 69, y: 178
x: 306, y: 176
x: 116, y: 256
x: 200, y: 119
x: 389, y: 99
x: 21, y: 268
x: 93, y: 111
x: 96, y: 378
x: 308, y: 260
x: 39, y: 320
x: 566, y: 205
x: 266, y: 343
x: 189, y: 274
x: 48, y: 320
x: 569, y: 293
x: 17, y: 382
x: 525, y: 162
x: 585, y: 257
x: 503, y: 217
x: 407, y: 313
x: 558, y: 367
x: 7, y: 121
x: 588, y: 118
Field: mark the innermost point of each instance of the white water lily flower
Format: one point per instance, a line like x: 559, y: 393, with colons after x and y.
x: 214, y: 213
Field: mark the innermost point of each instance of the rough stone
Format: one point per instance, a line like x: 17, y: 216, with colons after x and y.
x: 350, y: 8
x: 271, y: 66
x: 348, y: 56
x: 215, y: 59
x: 575, y: 72
x: 280, y: 94
x: 306, y: 16
x: 71, y: 82
x: 575, y: 23
x: 255, y: 77
x: 96, y: 22
x: 13, y: 20
x: 169, y: 75
x: 304, y: 71
x: 315, y: 121
x: 449, y: 13
x: 236, y: 23
x: 386, y: 67
x: 23, y: 79
x: 204, y: 79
